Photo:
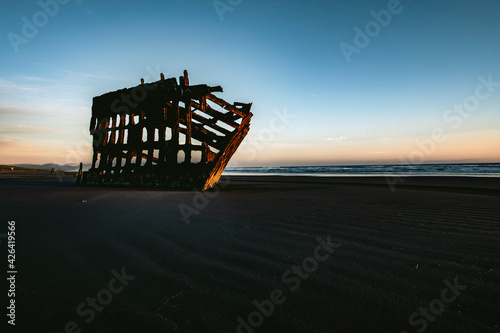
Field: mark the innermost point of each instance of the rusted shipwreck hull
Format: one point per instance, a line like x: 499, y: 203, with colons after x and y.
x: 164, y: 134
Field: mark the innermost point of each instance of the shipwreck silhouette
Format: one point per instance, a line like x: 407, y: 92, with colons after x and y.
x: 164, y: 134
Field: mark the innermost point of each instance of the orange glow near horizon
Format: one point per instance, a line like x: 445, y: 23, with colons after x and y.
x: 480, y: 147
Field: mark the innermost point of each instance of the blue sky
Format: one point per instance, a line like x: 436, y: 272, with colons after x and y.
x: 285, y: 57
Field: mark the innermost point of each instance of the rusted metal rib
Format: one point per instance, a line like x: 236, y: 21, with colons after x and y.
x: 144, y: 137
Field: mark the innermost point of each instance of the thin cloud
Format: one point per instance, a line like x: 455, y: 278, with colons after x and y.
x: 10, y: 86
x: 24, y: 130
x: 45, y: 94
x: 16, y: 110
x: 72, y: 75
x: 12, y: 145
x: 336, y: 140
x: 34, y: 78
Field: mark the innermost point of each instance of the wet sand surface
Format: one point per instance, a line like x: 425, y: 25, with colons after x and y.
x: 334, y: 254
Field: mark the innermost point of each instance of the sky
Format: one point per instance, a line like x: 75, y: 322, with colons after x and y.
x: 331, y: 82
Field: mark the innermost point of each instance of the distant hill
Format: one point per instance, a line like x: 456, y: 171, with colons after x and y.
x: 48, y: 166
x: 15, y: 167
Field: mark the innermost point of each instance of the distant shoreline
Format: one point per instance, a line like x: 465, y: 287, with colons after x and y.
x: 375, y: 170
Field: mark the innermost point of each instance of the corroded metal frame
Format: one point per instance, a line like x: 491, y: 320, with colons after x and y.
x: 164, y: 134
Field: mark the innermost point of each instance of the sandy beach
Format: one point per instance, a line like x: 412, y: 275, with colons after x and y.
x: 258, y: 254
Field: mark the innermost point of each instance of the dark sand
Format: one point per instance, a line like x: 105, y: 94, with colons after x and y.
x: 395, y: 251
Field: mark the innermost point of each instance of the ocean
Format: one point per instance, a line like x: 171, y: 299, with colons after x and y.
x: 464, y: 169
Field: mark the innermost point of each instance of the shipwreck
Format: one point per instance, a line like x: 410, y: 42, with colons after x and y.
x: 164, y: 134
